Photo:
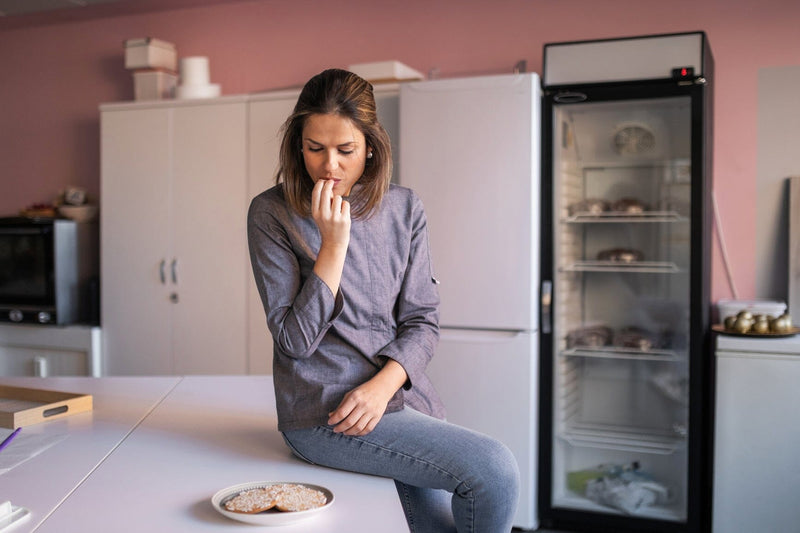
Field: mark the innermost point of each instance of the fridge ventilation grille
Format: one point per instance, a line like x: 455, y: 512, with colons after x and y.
x: 634, y: 139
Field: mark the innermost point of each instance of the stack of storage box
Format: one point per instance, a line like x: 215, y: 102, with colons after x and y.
x: 154, y: 65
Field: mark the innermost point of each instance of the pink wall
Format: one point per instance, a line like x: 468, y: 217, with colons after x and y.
x: 56, y: 74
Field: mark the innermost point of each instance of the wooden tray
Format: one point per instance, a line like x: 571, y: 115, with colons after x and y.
x: 21, y: 406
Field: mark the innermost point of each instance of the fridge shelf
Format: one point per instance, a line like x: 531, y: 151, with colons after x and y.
x: 614, y: 352
x: 648, y: 267
x: 586, y: 217
x: 622, y: 438
x: 658, y: 512
x: 679, y: 165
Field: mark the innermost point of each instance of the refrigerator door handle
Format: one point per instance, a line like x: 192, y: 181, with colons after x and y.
x: 547, y: 302
x: 569, y: 97
x: 477, y: 336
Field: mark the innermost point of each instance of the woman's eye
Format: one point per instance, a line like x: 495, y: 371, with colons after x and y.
x: 314, y: 149
x: 346, y: 152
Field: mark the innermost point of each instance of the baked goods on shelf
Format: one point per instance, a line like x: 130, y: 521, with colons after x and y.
x: 629, y: 206
x: 629, y: 337
x: 590, y: 337
x: 621, y: 255
x: 592, y: 206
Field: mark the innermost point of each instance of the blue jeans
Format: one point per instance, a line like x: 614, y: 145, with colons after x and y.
x: 448, y: 478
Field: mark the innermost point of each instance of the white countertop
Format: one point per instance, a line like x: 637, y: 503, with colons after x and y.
x: 154, y: 451
x: 762, y: 345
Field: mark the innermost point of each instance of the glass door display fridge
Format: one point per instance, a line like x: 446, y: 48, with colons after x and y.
x: 625, y: 366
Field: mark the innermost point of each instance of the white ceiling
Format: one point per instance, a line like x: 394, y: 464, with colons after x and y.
x: 26, y: 7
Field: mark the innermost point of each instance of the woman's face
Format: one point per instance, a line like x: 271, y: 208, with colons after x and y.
x: 334, y: 148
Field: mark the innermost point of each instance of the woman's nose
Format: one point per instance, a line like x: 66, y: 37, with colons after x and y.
x: 331, y: 161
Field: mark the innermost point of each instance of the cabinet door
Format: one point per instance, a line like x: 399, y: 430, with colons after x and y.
x: 208, y: 266
x: 135, y: 200
x: 265, y: 119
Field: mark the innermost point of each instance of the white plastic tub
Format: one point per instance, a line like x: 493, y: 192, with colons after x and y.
x: 728, y: 307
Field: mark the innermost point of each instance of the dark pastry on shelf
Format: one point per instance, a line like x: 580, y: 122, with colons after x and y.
x: 629, y: 206
x: 592, y: 206
x: 590, y: 337
x: 636, y: 338
x: 620, y: 255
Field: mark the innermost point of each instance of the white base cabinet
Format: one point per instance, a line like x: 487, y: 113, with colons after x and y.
x: 44, y: 351
x: 757, y: 435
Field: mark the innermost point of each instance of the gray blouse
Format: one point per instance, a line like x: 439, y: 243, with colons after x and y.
x: 386, y: 307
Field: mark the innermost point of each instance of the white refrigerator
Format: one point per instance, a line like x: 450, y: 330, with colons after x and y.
x: 470, y: 150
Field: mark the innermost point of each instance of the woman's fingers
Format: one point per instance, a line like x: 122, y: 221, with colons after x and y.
x: 359, y: 411
x: 321, y: 196
x: 316, y: 197
x: 325, y: 204
x: 331, y: 213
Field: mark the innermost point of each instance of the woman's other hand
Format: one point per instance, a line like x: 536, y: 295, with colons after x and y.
x: 362, y: 408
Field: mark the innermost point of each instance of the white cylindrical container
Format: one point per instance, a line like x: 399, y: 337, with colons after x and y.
x: 194, y: 71
x: 195, y: 79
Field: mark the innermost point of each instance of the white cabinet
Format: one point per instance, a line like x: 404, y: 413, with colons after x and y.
x: 266, y: 114
x: 173, y: 244
x: 43, y: 351
x: 178, y: 295
x: 757, y: 435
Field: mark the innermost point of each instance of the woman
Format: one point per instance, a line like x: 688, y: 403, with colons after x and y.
x: 342, y: 263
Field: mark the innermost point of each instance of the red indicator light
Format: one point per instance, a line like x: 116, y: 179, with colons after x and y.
x: 682, y: 73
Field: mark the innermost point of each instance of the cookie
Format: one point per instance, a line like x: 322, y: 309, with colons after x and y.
x: 299, y: 498
x: 253, y: 501
x: 285, y: 497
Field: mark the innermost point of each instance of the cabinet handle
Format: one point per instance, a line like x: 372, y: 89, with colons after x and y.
x: 547, y: 304
x: 174, y: 270
x: 161, y: 270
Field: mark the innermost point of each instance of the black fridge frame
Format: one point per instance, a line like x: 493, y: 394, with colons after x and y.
x: 701, y: 387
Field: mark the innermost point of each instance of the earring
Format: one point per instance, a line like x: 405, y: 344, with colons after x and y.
x: 369, y: 155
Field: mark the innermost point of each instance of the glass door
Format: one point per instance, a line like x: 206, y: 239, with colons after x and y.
x: 621, y: 232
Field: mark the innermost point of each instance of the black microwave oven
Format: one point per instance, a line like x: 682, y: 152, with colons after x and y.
x: 48, y: 271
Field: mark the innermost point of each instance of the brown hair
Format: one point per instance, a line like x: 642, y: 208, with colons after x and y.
x: 337, y: 92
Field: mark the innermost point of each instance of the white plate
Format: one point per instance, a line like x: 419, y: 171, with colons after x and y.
x: 271, y: 517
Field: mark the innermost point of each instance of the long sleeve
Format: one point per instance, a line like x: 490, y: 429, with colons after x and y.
x: 417, y: 304
x: 299, y: 305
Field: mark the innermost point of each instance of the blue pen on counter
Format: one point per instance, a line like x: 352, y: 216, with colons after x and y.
x: 8, y: 439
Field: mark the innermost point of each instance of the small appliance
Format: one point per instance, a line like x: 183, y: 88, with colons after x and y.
x: 48, y: 270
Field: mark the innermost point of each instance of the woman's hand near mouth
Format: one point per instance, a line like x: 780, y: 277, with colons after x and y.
x: 332, y: 215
